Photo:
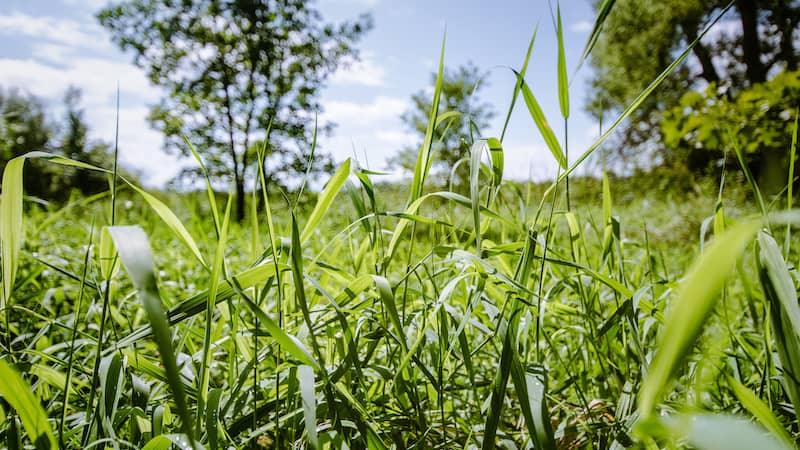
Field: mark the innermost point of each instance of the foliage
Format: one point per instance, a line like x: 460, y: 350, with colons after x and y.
x: 762, y: 115
x: 453, y: 136
x: 639, y: 39
x: 237, y: 74
x: 25, y: 126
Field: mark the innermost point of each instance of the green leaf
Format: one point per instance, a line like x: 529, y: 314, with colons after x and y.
x: 784, y: 312
x: 424, y: 158
x: 212, y: 417
x: 759, y: 410
x: 305, y: 377
x: 173, y: 223
x: 563, y: 84
x: 135, y: 255
x: 325, y: 200
x: 602, y: 13
x: 725, y: 432
x: 692, y: 305
x: 541, y: 122
x: 19, y: 395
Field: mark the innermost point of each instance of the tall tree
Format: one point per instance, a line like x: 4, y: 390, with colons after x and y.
x: 453, y: 137
x: 754, y: 42
x: 237, y: 73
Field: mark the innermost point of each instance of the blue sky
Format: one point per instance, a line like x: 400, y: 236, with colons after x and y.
x: 46, y: 45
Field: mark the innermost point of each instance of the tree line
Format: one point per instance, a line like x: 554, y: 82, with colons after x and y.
x: 242, y: 81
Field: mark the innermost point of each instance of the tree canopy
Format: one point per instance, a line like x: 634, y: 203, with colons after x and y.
x: 452, y: 137
x: 754, y: 42
x: 237, y: 74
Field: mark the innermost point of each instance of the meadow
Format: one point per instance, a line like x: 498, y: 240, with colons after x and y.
x: 582, y: 313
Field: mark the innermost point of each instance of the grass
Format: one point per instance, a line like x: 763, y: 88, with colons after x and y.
x: 380, y: 316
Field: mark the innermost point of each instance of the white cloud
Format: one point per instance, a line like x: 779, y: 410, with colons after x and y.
x: 365, y: 72
x: 397, y: 139
x: 365, y: 114
x: 93, y: 5
x: 581, y: 26
x: 97, y: 77
x: 62, y: 31
x: 365, y: 3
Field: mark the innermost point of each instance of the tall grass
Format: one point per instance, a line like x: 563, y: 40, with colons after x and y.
x: 514, y: 318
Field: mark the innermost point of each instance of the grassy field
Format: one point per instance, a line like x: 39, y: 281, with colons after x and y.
x: 391, y: 316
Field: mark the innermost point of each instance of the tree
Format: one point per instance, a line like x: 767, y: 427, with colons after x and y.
x: 25, y: 127
x: 640, y: 39
x: 452, y: 138
x: 237, y: 73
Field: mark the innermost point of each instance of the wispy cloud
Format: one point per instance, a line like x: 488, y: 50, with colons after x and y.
x: 581, y: 26
x: 364, y: 72
x: 365, y: 114
x: 64, y: 32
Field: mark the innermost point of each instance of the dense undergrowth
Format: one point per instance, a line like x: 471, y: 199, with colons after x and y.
x: 511, y: 317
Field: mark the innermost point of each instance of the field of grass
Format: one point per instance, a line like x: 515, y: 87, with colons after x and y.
x: 379, y: 316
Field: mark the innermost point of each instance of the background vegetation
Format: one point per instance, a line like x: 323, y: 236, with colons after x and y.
x: 647, y: 310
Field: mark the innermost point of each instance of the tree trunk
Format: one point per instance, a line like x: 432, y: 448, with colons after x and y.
x: 751, y: 51
x: 772, y: 173
x: 239, y: 199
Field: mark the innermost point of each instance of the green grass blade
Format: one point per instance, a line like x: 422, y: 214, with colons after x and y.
x: 759, y: 410
x: 790, y: 185
x: 212, y: 417
x: 172, y: 222
x: 212, y: 199
x: 781, y: 295
x: 522, y: 72
x: 747, y: 173
x: 602, y: 14
x: 135, y: 254
x: 19, y: 395
x: 724, y: 432
x: 424, y: 158
x: 640, y: 98
x: 563, y: 84
x: 287, y: 342
x: 325, y: 200
x: 167, y: 441
x: 497, y: 159
x: 12, y: 233
x: 692, y: 305
x: 111, y: 379
x: 474, y: 171
x: 541, y: 122
x: 305, y: 377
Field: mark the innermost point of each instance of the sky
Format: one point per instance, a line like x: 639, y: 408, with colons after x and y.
x: 48, y: 45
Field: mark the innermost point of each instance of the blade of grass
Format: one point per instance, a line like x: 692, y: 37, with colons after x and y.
x: 305, y: 377
x: 779, y: 290
x: 760, y: 411
x: 541, y: 122
x: 424, y: 158
x: 325, y: 200
x: 693, y: 303
x: 135, y: 254
x: 19, y: 395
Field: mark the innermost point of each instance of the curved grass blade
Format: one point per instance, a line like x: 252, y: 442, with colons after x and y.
x: 498, y: 161
x: 172, y: 222
x: 541, y: 121
x: 474, y: 170
x: 305, y: 377
x: 760, y: 411
x: 134, y: 253
x: 522, y: 72
x: 325, y: 200
x: 19, y: 395
x: 424, y: 158
x: 212, y: 417
x: 602, y: 13
x: 724, y: 432
x: 166, y: 441
x: 638, y: 100
x: 784, y: 312
x: 693, y: 304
